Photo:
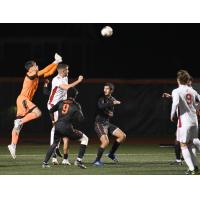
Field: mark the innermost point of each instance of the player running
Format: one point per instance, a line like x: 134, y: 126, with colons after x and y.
x: 69, y: 113
x: 26, y: 109
x: 103, y: 127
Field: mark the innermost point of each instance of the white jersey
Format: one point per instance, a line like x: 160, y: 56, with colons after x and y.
x: 184, y: 100
x: 57, y: 94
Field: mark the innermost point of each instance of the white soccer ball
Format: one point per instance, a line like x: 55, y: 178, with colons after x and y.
x: 106, y: 31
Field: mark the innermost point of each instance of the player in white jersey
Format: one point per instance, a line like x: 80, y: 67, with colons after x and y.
x: 184, y: 100
x: 58, y: 93
x: 196, y: 141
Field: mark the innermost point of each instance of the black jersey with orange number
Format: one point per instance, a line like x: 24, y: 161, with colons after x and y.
x: 69, y: 111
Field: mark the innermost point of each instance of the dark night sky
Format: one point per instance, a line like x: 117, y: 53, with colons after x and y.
x: 134, y: 51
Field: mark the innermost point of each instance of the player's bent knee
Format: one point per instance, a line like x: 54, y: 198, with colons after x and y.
x: 37, y: 112
x: 84, y: 140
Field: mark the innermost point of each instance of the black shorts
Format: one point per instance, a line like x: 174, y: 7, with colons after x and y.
x: 62, y: 130
x: 104, y: 128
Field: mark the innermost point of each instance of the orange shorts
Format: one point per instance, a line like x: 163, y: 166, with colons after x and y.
x: 24, y: 105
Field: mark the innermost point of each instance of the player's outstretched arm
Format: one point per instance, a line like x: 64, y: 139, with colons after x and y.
x: 50, y: 69
x: 67, y: 86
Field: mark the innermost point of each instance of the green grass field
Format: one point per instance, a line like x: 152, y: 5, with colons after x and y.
x: 134, y: 160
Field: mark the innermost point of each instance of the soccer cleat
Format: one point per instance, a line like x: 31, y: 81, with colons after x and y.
x: 98, y: 163
x: 45, y: 165
x: 18, y: 125
x: 55, y: 161
x: 176, y: 163
x: 112, y: 157
x: 66, y: 162
x: 79, y: 164
x: 188, y: 172
x: 12, y: 150
x: 58, y: 152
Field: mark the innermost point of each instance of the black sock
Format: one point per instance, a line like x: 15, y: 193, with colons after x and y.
x: 114, y: 147
x: 99, y: 153
x: 177, y: 150
x: 66, y: 156
x: 82, y: 151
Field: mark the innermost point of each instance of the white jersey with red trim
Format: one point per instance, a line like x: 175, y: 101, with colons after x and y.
x: 57, y: 94
x: 184, y: 101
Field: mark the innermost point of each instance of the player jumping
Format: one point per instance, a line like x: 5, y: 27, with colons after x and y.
x: 26, y: 110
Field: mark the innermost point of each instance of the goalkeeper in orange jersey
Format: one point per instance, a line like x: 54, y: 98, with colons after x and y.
x: 26, y: 109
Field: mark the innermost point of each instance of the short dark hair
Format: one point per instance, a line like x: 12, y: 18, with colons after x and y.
x: 29, y: 64
x: 72, y: 92
x: 111, y: 86
x: 62, y: 66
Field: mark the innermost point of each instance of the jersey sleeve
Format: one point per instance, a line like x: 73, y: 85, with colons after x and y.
x: 49, y: 70
x: 175, y: 102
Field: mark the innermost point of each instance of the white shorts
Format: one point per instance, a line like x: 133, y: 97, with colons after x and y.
x: 186, y: 134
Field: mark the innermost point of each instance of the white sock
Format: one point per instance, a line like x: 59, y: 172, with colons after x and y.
x: 196, y: 142
x: 79, y: 159
x: 193, y: 154
x: 187, y: 157
x: 52, y: 135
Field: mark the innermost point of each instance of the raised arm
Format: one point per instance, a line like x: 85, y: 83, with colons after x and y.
x: 50, y: 69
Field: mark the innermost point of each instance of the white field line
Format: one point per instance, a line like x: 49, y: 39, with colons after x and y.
x: 92, y: 154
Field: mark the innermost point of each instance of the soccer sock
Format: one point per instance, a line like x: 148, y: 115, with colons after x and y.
x: 177, y: 149
x: 29, y: 117
x: 114, y: 147
x: 66, y: 156
x: 196, y: 142
x: 81, y: 151
x: 99, y: 153
x: 52, y: 135
x: 192, y: 150
x: 15, y: 137
x: 187, y: 157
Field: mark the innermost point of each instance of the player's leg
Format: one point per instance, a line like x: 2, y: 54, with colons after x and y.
x: 51, y: 150
x: 192, y: 147
x: 102, y: 132
x: 34, y: 113
x: 120, y: 138
x: 74, y: 134
x: 21, y: 112
x: 177, y: 151
x: 196, y: 142
x: 56, y: 152
x: 82, y: 148
x: 184, y: 141
x: 65, y: 151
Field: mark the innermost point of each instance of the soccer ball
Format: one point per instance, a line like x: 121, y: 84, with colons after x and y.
x: 106, y: 31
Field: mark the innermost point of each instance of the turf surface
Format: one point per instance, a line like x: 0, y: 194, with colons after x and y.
x: 134, y: 160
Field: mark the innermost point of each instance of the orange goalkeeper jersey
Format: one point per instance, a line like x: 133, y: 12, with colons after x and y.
x: 30, y: 84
